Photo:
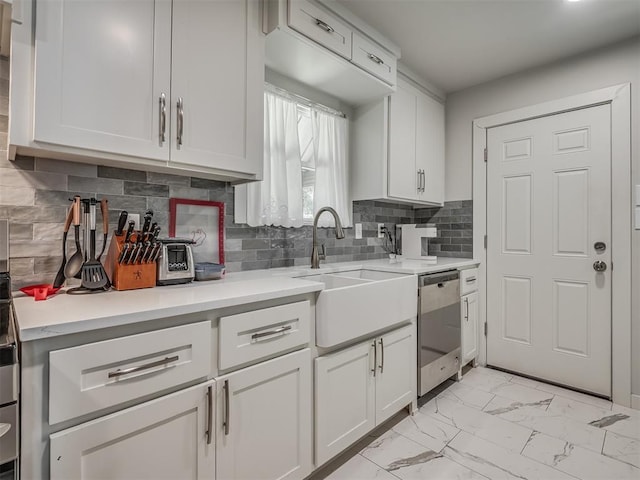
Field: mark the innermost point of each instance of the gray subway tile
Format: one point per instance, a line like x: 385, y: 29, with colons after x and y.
x: 145, y: 189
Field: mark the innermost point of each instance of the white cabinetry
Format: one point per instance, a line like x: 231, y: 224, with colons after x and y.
x: 176, y: 85
x: 263, y: 427
x: 469, y: 314
x: 360, y: 387
x: 168, y: 437
x: 398, y: 148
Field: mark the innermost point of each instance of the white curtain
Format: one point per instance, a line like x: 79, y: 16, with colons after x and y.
x: 277, y: 200
x: 330, y: 148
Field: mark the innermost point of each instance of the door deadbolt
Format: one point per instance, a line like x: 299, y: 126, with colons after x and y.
x: 599, y: 266
x: 600, y: 247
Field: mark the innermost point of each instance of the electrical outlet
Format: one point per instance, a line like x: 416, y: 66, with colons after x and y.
x: 380, y: 230
x: 358, y: 231
x: 136, y: 218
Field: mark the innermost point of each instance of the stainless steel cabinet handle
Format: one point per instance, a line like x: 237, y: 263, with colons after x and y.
x: 226, y: 407
x: 209, y: 432
x: 375, y: 358
x: 424, y: 181
x: 157, y: 363
x: 419, y: 180
x: 180, y: 120
x: 466, y: 304
x: 270, y: 332
x: 325, y: 26
x: 381, y: 355
x: 375, y: 58
x: 470, y: 279
x: 163, y: 118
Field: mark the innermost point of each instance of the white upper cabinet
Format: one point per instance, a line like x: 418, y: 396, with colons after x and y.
x: 398, y: 148
x: 170, y: 85
x: 100, y: 69
x: 322, y: 44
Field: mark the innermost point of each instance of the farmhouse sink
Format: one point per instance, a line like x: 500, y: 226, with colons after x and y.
x: 361, y: 302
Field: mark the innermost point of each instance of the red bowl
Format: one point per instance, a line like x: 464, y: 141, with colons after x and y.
x: 40, y: 292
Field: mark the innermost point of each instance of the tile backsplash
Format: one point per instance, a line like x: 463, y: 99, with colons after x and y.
x: 35, y: 194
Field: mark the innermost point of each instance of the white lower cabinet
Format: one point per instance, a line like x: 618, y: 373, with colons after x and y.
x: 264, y: 422
x: 362, y: 386
x: 469, y: 306
x: 166, y: 438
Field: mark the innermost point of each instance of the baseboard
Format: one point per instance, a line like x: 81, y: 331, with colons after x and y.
x: 635, y: 401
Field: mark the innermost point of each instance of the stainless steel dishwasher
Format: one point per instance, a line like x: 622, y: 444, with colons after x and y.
x: 438, y: 329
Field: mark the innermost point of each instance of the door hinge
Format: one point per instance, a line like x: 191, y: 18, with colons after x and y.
x: 485, y: 242
x: 485, y: 329
x: 486, y: 154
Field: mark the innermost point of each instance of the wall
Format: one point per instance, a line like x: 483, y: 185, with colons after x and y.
x: 617, y: 64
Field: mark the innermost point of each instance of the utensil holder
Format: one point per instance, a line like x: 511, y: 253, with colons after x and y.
x: 128, y: 276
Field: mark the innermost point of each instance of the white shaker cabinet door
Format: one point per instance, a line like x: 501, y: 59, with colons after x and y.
x: 264, y: 423
x: 469, y: 307
x: 430, y: 148
x: 165, y: 438
x: 396, y: 372
x: 217, y: 85
x: 345, y: 399
x: 403, y: 181
x: 101, y: 69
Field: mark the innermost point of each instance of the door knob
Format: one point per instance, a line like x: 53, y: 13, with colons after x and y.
x: 599, y: 266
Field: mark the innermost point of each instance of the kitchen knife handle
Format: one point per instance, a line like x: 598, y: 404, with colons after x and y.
x: 132, y: 225
x: 122, y: 220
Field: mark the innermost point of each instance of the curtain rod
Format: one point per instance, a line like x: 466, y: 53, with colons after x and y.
x: 302, y: 100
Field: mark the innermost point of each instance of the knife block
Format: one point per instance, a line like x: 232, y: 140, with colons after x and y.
x: 127, y: 277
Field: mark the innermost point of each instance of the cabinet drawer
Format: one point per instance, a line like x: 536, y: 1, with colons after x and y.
x: 91, y: 377
x: 320, y: 26
x: 373, y: 59
x: 468, y: 281
x: 250, y: 336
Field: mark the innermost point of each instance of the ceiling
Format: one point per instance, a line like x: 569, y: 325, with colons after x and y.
x: 455, y: 44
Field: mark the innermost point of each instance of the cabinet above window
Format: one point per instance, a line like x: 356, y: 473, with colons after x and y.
x: 322, y: 45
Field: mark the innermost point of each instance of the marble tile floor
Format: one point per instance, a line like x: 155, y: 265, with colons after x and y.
x: 495, y: 425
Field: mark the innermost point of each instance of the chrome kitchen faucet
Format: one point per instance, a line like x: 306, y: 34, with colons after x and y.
x: 315, y: 255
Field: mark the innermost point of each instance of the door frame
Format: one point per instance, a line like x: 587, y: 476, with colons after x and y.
x: 619, y: 97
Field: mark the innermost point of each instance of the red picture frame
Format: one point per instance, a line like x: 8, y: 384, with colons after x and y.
x: 201, y: 221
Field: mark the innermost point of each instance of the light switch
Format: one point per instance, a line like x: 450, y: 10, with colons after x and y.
x: 136, y: 218
x: 637, y: 196
x: 358, y: 231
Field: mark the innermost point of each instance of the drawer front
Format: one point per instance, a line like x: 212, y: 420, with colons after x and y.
x: 468, y: 281
x: 91, y: 377
x: 374, y: 59
x: 320, y: 26
x: 250, y: 336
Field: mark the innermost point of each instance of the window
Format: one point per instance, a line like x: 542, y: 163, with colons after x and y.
x: 305, y: 165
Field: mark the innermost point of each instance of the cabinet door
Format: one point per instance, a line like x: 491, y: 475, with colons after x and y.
x: 100, y: 70
x: 403, y: 174
x: 164, y: 438
x: 469, y: 340
x: 264, y: 423
x: 217, y: 85
x: 344, y: 399
x: 396, y: 372
x: 430, y: 148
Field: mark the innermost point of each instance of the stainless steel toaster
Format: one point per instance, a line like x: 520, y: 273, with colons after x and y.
x: 175, y: 264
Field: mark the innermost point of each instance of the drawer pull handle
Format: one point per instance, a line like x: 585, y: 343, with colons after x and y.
x: 375, y: 357
x: 146, y: 366
x: 163, y: 118
x: 375, y: 58
x: 325, y: 26
x: 255, y: 336
x: 470, y: 279
x: 209, y: 432
x: 381, y: 355
x: 225, y: 424
x: 180, y: 121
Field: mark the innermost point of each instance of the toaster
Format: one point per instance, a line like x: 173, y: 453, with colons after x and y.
x: 175, y: 264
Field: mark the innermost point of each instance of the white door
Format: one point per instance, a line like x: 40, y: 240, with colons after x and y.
x: 430, y: 148
x: 345, y: 398
x: 217, y: 85
x: 549, y: 204
x: 264, y: 424
x: 469, y: 341
x: 165, y: 438
x: 396, y: 376
x: 403, y: 176
x: 101, y: 68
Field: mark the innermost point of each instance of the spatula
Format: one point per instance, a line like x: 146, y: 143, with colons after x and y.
x: 94, y: 276
x: 59, y: 280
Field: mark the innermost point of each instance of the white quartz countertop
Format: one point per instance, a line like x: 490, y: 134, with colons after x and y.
x: 66, y: 314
